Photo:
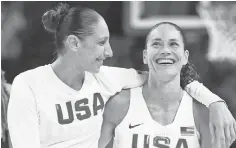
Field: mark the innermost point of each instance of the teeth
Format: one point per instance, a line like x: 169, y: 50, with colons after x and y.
x: 165, y: 61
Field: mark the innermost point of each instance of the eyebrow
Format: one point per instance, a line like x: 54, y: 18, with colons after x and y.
x: 103, y: 38
x: 174, y: 40
x: 158, y: 39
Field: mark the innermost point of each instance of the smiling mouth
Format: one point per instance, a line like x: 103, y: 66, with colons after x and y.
x: 100, y: 61
x: 165, y: 61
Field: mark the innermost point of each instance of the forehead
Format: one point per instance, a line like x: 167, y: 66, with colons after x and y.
x: 101, y: 29
x: 165, y: 32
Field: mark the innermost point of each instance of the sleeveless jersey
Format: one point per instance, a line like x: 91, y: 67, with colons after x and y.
x: 139, y: 130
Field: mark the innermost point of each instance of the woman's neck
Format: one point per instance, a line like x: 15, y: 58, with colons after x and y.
x: 68, y: 74
x: 166, y: 94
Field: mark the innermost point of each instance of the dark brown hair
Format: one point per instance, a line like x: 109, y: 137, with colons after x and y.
x: 64, y: 21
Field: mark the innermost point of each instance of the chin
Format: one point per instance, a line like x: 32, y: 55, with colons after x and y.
x: 95, y: 70
x: 167, y: 74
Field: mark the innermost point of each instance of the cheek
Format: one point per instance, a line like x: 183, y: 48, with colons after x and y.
x: 90, y: 50
x: 183, y: 58
x: 179, y: 54
x: 151, y: 54
x: 99, y: 49
x: 95, y: 52
x: 181, y: 62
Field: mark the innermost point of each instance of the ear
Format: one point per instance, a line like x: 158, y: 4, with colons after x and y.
x: 73, y: 42
x: 185, y: 59
x: 145, y: 56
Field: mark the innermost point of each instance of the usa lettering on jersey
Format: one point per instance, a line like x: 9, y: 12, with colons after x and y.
x: 80, y: 105
x: 158, y: 141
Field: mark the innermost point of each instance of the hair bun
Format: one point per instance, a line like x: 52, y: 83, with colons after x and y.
x: 62, y: 9
x: 51, y: 19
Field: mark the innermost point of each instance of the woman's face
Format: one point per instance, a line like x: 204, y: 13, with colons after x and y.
x: 165, y: 54
x: 94, y: 49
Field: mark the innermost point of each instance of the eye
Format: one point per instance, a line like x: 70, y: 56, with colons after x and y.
x: 174, y: 44
x: 102, y: 43
x: 156, y: 44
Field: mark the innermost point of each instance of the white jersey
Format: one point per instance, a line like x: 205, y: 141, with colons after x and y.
x: 139, y: 130
x: 54, y: 115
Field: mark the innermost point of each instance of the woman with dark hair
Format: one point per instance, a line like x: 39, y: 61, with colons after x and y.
x: 61, y: 104
x: 159, y: 113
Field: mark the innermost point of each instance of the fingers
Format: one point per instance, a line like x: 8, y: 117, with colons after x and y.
x: 227, y: 135
x: 212, y: 132
x: 220, y: 137
x: 234, y: 126
x: 232, y: 133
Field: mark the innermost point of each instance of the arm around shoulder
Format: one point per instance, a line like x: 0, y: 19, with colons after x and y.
x: 123, y: 78
x: 201, y: 93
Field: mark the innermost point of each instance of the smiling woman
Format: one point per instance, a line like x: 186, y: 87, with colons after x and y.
x: 62, y: 102
x: 188, y: 72
x: 159, y: 46
x: 86, y: 29
x: 159, y: 113
x: 162, y: 114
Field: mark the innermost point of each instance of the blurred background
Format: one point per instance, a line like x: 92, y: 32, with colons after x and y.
x: 210, y: 29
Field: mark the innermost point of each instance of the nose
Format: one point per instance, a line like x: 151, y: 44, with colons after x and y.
x: 108, y: 51
x: 165, y: 51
